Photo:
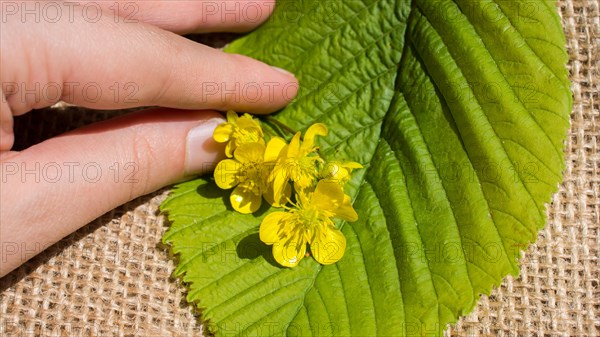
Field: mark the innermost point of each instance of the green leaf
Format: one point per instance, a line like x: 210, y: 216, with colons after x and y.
x: 459, y: 112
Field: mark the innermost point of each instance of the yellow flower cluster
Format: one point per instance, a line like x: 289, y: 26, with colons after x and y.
x: 258, y: 170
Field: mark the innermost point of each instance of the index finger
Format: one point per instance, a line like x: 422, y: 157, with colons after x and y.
x: 108, y: 65
x: 182, y: 16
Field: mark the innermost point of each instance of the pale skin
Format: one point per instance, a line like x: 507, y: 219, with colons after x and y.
x: 53, y: 57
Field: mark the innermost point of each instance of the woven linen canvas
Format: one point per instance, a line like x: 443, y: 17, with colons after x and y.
x: 113, y: 277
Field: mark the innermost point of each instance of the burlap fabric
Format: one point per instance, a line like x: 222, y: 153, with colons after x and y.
x: 113, y: 277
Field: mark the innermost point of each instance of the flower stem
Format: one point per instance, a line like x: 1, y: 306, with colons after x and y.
x: 279, y: 124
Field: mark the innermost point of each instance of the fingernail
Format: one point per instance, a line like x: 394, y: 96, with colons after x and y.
x: 202, y: 152
x: 283, y: 71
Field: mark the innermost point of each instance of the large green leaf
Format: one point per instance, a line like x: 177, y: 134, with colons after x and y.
x: 459, y: 111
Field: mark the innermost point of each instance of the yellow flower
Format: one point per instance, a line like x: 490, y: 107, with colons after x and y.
x: 339, y: 172
x: 248, y: 172
x: 309, y: 222
x: 297, y: 162
x: 237, y: 131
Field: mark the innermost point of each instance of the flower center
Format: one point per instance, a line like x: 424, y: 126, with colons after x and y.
x: 252, y: 177
x: 310, y: 220
x: 309, y: 216
x: 302, y: 171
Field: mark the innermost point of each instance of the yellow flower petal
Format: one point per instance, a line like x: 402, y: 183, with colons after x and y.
x: 339, y: 172
x: 251, y: 129
x: 238, y: 131
x: 270, y: 227
x: 328, y: 196
x: 244, y: 200
x: 329, y: 246
x: 346, y: 211
x: 303, y: 196
x: 249, y: 123
x: 289, y: 255
x: 314, y: 130
x: 284, y: 197
x: 223, y: 132
x: 279, y: 179
x: 229, y: 149
x: 227, y: 173
x: 232, y: 116
x: 250, y: 153
x: 274, y: 147
x: 293, y: 149
x: 352, y: 165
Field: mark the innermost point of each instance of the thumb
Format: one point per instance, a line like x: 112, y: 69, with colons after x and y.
x: 51, y: 189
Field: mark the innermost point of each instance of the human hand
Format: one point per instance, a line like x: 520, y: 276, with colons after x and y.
x: 115, y: 55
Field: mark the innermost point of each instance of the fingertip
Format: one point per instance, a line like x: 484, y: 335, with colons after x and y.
x: 291, y: 90
x: 290, y: 84
x: 261, y: 88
